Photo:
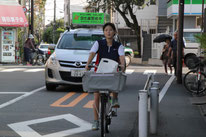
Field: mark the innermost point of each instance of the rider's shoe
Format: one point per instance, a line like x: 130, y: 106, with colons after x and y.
x: 95, y: 125
x: 115, y: 103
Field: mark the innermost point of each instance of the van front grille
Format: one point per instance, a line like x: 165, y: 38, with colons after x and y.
x: 67, y: 77
x: 72, y: 64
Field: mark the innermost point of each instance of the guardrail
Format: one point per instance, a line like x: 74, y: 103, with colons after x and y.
x: 149, y: 95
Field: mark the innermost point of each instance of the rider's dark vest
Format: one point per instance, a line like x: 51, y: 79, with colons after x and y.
x: 105, y: 51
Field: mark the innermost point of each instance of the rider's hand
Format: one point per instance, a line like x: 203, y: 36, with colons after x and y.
x: 87, y: 67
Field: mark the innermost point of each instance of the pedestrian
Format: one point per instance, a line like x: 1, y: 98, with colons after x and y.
x: 173, y: 50
x: 28, y: 47
x: 106, y: 48
x: 166, y: 56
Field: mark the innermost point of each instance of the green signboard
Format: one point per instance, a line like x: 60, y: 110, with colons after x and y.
x: 88, y: 18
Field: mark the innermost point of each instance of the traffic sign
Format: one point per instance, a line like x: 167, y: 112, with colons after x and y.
x: 24, y: 9
x: 88, y: 18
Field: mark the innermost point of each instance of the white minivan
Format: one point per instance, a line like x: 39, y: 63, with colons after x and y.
x: 191, y: 46
x: 67, y: 64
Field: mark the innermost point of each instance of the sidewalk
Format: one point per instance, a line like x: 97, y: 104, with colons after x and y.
x: 178, y: 117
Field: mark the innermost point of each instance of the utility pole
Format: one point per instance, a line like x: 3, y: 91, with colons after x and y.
x: 54, y: 24
x: 180, y: 41
x: 29, y: 17
x: 202, y: 26
x: 68, y: 13
x: 32, y: 16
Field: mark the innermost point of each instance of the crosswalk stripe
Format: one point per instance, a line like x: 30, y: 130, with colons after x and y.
x: 33, y: 70
x: 12, y: 70
x: 129, y: 71
x: 22, y: 70
x: 149, y: 71
x: 13, y: 92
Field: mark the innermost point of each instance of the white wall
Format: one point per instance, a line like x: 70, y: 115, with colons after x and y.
x: 148, y: 13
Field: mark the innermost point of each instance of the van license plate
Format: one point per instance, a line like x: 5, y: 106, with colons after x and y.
x: 77, y: 73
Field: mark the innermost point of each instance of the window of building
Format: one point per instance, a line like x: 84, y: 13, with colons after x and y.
x: 152, y: 31
x: 198, y: 21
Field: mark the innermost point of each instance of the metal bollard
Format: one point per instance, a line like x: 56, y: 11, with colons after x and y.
x: 155, y: 84
x: 143, y: 114
x: 154, y: 101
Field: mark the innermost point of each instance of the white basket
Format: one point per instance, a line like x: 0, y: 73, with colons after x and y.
x: 94, y: 82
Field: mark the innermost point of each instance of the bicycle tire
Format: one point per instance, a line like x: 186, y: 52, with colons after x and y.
x: 103, y: 116
x: 108, y: 121
x: 192, y: 84
x: 40, y: 60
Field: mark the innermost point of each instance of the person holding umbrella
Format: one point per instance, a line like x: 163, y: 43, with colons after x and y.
x: 165, y: 56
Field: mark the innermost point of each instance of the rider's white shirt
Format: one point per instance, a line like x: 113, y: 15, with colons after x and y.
x: 95, y: 48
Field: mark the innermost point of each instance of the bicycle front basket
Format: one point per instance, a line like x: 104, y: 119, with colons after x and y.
x: 93, y: 82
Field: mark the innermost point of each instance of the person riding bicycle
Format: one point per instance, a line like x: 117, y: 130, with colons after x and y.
x: 106, y: 48
x: 28, y: 47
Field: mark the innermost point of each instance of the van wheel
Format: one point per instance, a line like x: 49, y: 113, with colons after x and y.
x: 127, y: 60
x: 51, y: 87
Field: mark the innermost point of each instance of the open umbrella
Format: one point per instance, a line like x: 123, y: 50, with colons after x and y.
x: 162, y: 38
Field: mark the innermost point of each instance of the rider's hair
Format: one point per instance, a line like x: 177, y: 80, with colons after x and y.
x: 109, y: 24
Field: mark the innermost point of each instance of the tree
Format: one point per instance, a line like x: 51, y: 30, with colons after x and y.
x: 48, y: 32
x: 124, y: 7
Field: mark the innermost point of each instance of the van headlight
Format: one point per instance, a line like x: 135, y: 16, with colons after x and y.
x: 53, y: 60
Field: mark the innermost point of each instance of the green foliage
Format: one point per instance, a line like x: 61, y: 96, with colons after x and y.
x: 202, y: 40
x: 48, y: 35
x: 136, y: 53
x: 48, y: 32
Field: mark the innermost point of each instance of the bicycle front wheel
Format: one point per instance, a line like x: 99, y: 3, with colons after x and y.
x: 103, y: 115
x: 195, y: 81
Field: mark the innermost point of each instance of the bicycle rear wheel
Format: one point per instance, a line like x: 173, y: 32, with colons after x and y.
x: 103, y: 115
x: 194, y: 84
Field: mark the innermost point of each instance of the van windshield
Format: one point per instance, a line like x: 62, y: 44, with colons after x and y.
x: 78, y: 41
x: 190, y: 36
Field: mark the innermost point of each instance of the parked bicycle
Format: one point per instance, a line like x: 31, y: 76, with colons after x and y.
x: 38, y: 57
x: 104, y: 83
x: 195, y: 79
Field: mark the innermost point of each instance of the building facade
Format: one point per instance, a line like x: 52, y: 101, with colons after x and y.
x: 192, y: 13
x: 12, y: 16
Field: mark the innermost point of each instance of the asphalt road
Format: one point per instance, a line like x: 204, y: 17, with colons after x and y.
x: 27, y: 109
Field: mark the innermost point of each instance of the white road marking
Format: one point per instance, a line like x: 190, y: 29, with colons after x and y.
x: 165, y: 88
x: 12, y: 70
x: 129, y: 71
x: 149, y: 71
x: 13, y: 92
x: 34, y: 70
x: 23, y: 129
x: 21, y: 97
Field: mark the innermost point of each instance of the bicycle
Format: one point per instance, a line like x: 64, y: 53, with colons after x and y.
x: 38, y: 58
x: 104, y: 83
x: 195, y: 79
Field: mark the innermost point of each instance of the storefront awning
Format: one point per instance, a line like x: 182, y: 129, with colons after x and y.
x: 12, y: 16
